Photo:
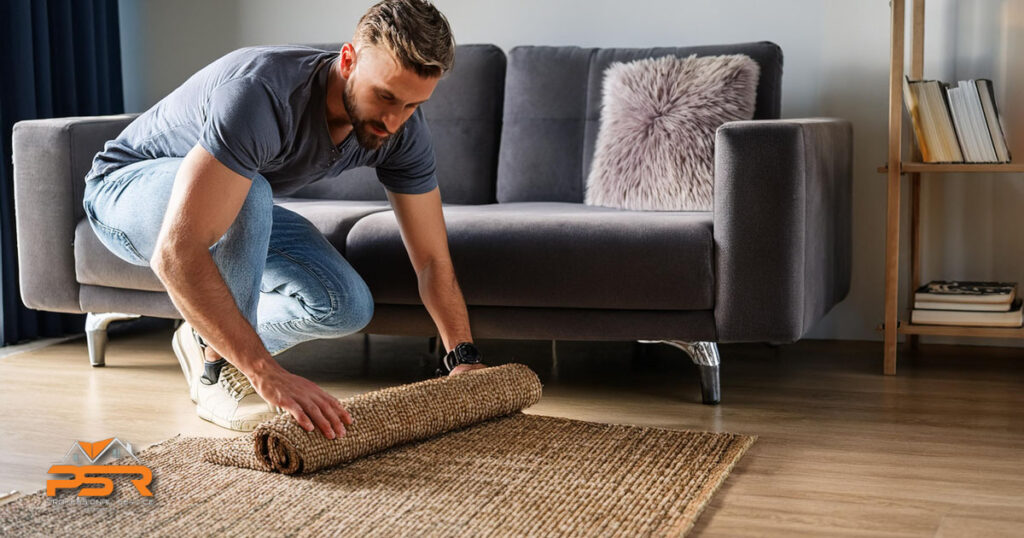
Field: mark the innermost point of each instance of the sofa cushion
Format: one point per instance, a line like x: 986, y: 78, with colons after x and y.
x: 464, y: 117
x: 96, y: 265
x: 334, y: 218
x: 552, y: 112
x: 551, y: 254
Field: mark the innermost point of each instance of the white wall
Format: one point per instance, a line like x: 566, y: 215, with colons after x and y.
x: 164, y: 41
x: 836, y: 64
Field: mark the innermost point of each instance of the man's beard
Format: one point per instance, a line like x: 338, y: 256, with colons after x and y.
x: 364, y: 136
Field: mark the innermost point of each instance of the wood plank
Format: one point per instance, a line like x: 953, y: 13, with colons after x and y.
x: 917, y: 41
x: 892, y: 226
x: 961, y: 330
x: 915, y: 245
x: 916, y: 73
x: 909, y: 167
x: 908, y: 328
x: 959, y: 526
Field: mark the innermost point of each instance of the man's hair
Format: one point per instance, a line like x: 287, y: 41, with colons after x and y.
x: 414, y: 32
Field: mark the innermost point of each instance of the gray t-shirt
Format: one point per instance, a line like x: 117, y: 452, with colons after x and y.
x: 261, y: 110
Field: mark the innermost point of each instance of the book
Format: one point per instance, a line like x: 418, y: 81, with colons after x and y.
x: 921, y: 121
x: 970, y: 307
x: 956, y: 123
x: 967, y: 291
x: 984, y: 148
x: 993, y: 119
x: 964, y: 129
x: 1012, y: 318
x: 933, y: 125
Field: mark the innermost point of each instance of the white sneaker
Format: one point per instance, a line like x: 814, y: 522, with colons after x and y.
x: 189, y: 351
x: 231, y: 401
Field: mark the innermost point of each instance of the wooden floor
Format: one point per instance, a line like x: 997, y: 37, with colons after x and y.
x: 937, y: 450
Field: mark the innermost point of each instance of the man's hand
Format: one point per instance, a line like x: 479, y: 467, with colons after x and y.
x: 466, y: 367
x: 307, y: 402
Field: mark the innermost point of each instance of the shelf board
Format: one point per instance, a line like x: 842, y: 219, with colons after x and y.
x: 911, y: 167
x: 960, y: 330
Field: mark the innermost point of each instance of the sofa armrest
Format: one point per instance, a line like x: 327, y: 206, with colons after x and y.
x: 782, y: 226
x: 51, y: 158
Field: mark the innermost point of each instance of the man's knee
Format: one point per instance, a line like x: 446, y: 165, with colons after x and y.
x: 357, y: 305
x: 353, y: 308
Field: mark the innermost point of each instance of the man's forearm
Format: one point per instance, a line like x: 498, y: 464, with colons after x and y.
x: 197, y: 288
x: 440, y: 293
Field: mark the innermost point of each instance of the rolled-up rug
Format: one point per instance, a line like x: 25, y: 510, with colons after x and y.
x: 385, y: 418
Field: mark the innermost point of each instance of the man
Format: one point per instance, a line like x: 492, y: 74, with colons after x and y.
x: 187, y: 189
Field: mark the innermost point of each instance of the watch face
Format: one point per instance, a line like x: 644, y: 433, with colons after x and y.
x: 468, y: 353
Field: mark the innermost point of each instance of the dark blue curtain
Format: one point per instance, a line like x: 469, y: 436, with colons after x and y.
x: 57, y: 58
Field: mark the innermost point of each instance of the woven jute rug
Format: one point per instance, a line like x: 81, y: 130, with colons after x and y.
x: 456, y: 456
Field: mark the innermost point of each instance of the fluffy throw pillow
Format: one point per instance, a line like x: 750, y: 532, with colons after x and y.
x: 656, y: 141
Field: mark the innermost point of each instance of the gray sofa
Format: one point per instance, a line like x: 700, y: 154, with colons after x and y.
x: 514, y: 136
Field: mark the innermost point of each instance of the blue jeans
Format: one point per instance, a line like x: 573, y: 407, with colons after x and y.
x: 286, y: 278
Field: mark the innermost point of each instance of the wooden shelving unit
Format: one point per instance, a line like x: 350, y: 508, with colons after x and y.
x: 914, y: 168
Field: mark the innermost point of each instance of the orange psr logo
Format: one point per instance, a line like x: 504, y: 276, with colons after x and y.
x: 85, y: 474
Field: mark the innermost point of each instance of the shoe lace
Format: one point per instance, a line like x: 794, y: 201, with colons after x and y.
x: 237, y: 385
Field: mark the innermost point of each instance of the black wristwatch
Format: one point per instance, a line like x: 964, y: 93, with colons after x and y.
x: 464, y: 353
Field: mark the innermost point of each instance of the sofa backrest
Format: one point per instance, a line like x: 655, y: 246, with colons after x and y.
x: 553, y: 105
x: 464, y: 116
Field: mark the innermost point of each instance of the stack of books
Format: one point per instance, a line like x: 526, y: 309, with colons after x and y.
x: 968, y: 303
x: 956, y: 123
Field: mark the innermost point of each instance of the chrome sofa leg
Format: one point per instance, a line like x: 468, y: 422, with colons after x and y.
x: 96, y: 324
x: 705, y: 356
x: 553, y: 374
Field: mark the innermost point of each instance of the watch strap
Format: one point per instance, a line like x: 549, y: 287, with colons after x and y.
x: 451, y: 359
